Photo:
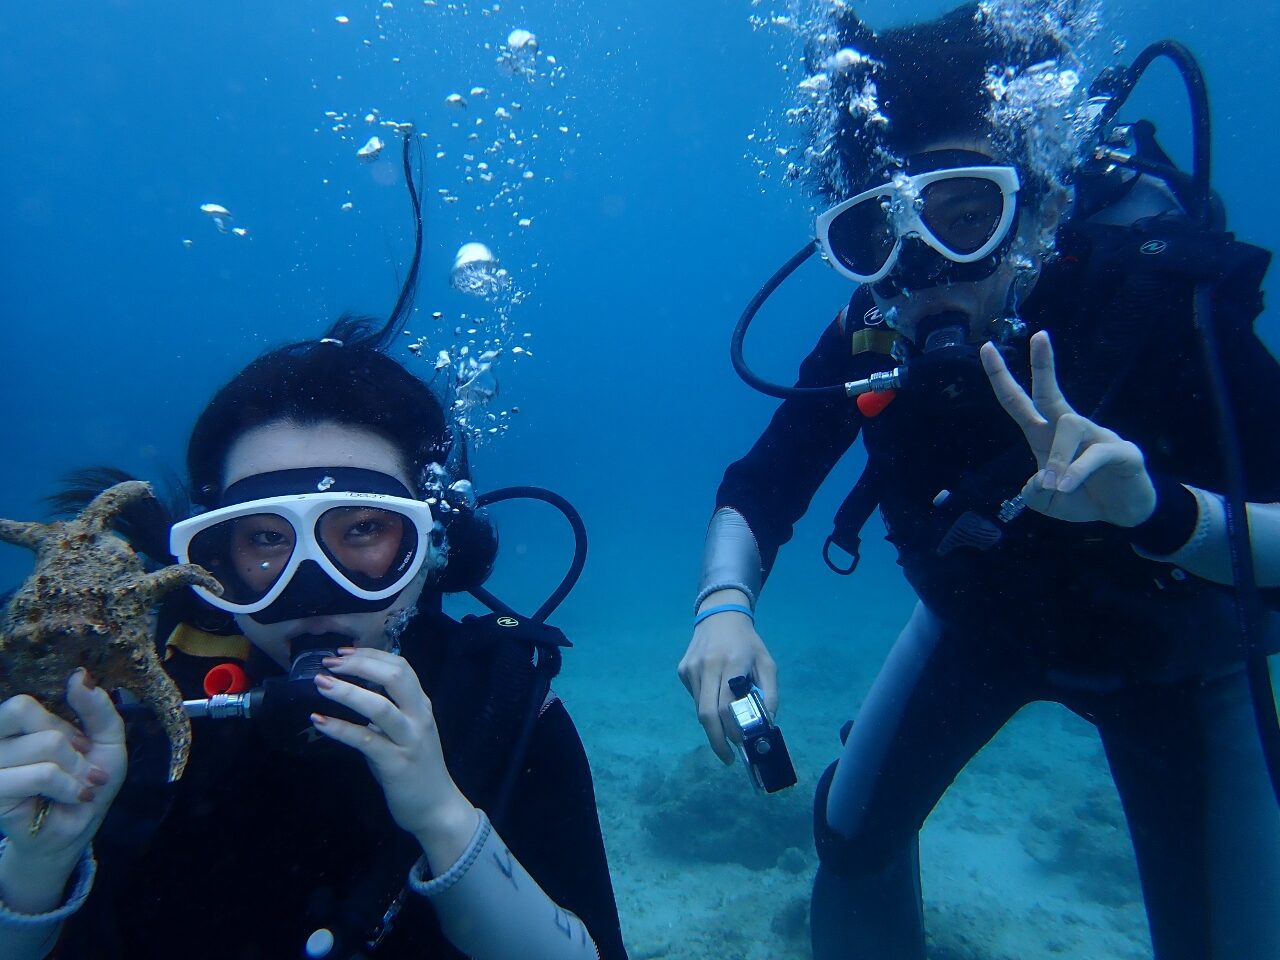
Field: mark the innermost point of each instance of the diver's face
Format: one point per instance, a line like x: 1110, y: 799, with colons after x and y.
x: 984, y: 301
x: 282, y: 445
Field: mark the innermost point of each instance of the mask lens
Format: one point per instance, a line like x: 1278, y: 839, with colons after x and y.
x: 962, y: 212
x: 862, y: 237
x: 247, y: 554
x: 372, y: 547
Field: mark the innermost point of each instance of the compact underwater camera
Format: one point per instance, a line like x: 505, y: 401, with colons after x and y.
x: 762, y: 748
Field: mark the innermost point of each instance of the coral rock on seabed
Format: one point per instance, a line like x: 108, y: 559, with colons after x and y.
x: 88, y: 604
x: 703, y: 813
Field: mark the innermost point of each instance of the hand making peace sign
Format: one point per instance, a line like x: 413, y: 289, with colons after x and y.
x: 1086, y: 472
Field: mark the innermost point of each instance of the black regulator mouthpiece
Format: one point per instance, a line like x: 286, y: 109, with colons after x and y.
x: 289, y: 701
x: 943, y: 331
x: 283, y: 705
x: 309, y: 652
x: 946, y: 367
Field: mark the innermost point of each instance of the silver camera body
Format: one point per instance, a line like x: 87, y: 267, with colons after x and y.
x: 762, y: 748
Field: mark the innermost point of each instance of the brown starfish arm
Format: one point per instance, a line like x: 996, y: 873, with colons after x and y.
x: 24, y: 534
x: 157, y: 690
x: 179, y: 575
x: 177, y: 728
x: 107, y: 505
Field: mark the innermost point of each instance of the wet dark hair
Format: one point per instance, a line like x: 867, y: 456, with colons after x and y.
x: 929, y: 82
x: 312, y: 382
x: 338, y: 378
x: 345, y: 378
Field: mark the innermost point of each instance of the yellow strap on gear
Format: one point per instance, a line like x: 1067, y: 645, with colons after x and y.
x: 196, y: 643
x: 869, y: 340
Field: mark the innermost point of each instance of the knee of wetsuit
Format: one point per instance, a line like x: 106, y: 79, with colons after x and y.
x: 862, y: 854
x: 834, y: 849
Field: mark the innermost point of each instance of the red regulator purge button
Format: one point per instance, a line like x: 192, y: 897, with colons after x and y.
x: 225, y: 678
x: 873, y: 404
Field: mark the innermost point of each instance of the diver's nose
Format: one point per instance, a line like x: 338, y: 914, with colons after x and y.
x: 918, y: 262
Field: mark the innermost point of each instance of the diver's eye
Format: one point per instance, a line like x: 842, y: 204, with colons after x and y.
x: 359, y: 527
x: 365, y: 530
x: 963, y: 212
x: 268, y: 539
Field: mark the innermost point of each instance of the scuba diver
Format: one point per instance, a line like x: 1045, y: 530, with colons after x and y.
x: 1078, y: 543
x: 368, y: 776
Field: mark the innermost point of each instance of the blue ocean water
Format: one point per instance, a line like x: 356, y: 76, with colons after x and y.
x: 650, y: 228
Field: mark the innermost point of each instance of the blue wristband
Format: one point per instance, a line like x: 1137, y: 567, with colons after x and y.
x: 725, y: 608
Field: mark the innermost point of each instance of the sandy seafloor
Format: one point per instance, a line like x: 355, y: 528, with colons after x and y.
x: 1027, y: 855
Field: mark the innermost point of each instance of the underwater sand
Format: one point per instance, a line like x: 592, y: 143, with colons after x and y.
x: 1026, y: 856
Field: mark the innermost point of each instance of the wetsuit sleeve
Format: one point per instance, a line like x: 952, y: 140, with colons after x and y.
x: 553, y: 828
x: 1252, y: 374
x: 772, y: 486
x: 35, y: 935
x: 540, y: 888
x: 1206, y: 552
x: 490, y: 908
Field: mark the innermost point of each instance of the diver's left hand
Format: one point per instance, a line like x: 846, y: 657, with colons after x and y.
x: 402, y: 746
x: 1086, y: 472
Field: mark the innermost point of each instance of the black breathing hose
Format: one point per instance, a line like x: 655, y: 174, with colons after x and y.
x: 749, y: 314
x: 498, y: 811
x: 1197, y: 93
x: 579, y: 547
x: 1248, y: 601
x: 408, y: 290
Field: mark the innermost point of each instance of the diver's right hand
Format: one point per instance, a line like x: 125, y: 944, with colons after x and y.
x: 723, y: 646
x: 44, y: 756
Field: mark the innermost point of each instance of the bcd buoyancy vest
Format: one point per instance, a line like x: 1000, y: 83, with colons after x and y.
x: 1117, y: 302
x: 308, y: 838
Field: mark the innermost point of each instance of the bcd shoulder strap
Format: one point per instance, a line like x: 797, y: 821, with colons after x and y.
x: 496, y: 677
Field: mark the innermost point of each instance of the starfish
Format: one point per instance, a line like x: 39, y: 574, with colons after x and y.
x: 88, y: 604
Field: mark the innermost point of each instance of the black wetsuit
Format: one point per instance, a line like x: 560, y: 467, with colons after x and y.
x: 1054, y: 611
x: 254, y: 849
